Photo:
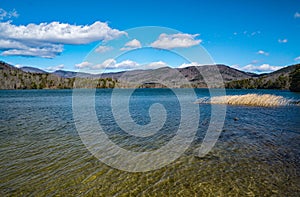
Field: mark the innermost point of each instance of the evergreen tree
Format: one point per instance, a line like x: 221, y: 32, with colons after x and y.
x: 295, y: 80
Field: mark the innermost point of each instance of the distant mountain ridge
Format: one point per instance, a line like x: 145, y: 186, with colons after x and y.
x: 72, y: 74
x: 32, y: 70
x: 34, y: 78
x: 190, y: 72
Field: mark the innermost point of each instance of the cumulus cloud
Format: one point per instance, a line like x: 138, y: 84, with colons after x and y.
x: 283, y: 40
x: 48, y: 51
x: 54, y: 68
x: 112, y: 64
x: 154, y: 65
x: 297, y: 58
x: 4, y: 15
x: 16, y: 48
x: 109, y: 63
x: 37, y: 39
x: 133, y: 44
x: 184, y: 65
x: 60, y: 33
x: 297, y: 15
x: 10, y: 44
x: 83, y: 65
x: 180, y: 40
x: 261, y: 52
x: 236, y: 66
x: 103, y: 49
x: 127, y: 64
x: 260, y: 68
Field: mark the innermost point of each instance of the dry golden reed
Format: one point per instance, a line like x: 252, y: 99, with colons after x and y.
x: 264, y: 100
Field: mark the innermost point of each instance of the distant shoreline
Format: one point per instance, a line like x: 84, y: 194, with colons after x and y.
x: 287, y: 90
x: 287, y: 78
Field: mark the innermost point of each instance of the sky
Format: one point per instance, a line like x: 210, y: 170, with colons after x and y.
x: 93, y: 35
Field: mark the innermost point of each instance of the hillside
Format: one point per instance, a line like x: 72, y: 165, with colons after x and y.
x: 15, y: 78
x: 32, y: 70
x: 32, y: 78
x: 280, y: 79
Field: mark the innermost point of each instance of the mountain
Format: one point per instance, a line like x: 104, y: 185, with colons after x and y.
x: 227, y: 72
x: 12, y: 77
x: 280, y: 79
x: 31, y: 78
x: 295, y: 80
x: 71, y: 74
x: 6, y: 66
x: 178, y: 77
x: 32, y: 70
x: 15, y: 78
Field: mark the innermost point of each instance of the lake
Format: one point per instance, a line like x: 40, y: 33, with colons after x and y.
x: 257, y: 152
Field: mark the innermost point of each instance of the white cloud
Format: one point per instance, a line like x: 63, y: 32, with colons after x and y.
x: 283, y: 40
x: 59, y: 33
x: 260, y: 68
x: 297, y: 15
x: 49, y: 51
x: 103, y: 49
x: 133, y: 44
x: 112, y: 64
x: 83, y: 65
x: 297, y: 58
x: 180, y: 40
x: 184, y: 65
x: 35, y: 38
x: 8, y: 14
x: 236, y: 66
x: 54, y: 68
x: 89, y: 65
x: 11, y: 44
x: 16, y: 48
x: 109, y: 63
x: 261, y: 52
x: 127, y: 64
x: 154, y: 65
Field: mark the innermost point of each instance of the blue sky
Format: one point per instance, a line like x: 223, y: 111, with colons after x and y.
x: 256, y: 36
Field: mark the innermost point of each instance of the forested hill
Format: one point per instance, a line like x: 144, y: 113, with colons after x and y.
x: 16, y: 78
x: 285, y: 78
x: 33, y: 78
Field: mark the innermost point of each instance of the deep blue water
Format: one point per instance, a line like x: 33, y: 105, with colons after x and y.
x: 258, y: 151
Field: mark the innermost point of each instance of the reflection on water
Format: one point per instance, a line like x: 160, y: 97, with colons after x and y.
x: 41, y: 153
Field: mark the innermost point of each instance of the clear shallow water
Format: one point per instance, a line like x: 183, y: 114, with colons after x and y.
x: 42, y: 154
